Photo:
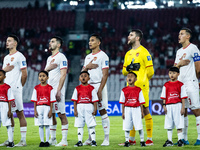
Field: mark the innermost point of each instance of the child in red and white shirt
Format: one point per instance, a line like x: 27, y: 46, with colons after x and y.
x: 174, y: 95
x: 132, y: 101
x: 6, y: 97
x: 43, y: 98
x: 85, y: 108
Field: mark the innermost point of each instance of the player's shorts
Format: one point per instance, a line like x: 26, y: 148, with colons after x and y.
x: 145, y: 91
x: 4, y: 114
x: 17, y: 104
x: 85, y: 116
x: 43, y: 118
x: 133, y: 117
x: 59, y: 107
x: 174, y: 117
x: 104, y: 103
x: 192, y: 90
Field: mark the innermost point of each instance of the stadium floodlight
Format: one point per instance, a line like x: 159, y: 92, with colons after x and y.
x: 73, y: 3
x: 170, y: 4
x: 91, y: 3
x: 181, y: 2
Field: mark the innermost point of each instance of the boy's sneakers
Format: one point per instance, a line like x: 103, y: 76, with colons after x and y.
x: 126, y: 144
x: 180, y: 143
x: 149, y: 142
x: 52, y: 141
x: 5, y: 143
x: 142, y: 144
x: 168, y: 143
x: 62, y: 143
x: 105, y: 143
x: 10, y: 144
x: 41, y: 144
x: 87, y: 142
x: 21, y: 143
x: 46, y: 144
x: 184, y: 141
x: 93, y: 143
x: 131, y: 143
x: 79, y: 143
x: 197, y: 143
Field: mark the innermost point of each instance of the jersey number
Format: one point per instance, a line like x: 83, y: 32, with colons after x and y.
x: 190, y: 101
x: 56, y: 106
x: 13, y: 104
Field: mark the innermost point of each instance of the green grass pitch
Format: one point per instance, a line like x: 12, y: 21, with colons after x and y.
x: 116, y: 135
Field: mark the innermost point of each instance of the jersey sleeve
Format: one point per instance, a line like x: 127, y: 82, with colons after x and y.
x: 75, y: 95
x: 53, y: 97
x: 141, y: 98
x: 195, y: 54
x: 147, y: 59
x: 10, y: 95
x: 183, y: 92
x: 163, y: 94
x: 122, y: 98
x: 63, y: 62
x: 94, y: 96
x: 22, y: 62
x: 105, y: 62
x: 34, y: 96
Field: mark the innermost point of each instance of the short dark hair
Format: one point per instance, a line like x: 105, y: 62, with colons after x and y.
x: 138, y: 33
x: 14, y: 37
x: 59, y: 39
x: 97, y: 36
x: 188, y: 31
x: 174, y: 69
x: 3, y: 72
x: 45, y: 72
x: 85, y: 72
x: 132, y: 73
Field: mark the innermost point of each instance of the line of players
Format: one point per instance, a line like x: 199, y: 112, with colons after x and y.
x: 96, y: 65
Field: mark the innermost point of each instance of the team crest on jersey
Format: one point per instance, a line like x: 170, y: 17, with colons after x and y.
x: 184, y: 55
x: 95, y: 58
x: 12, y: 58
x: 137, y: 54
x: 148, y: 58
x: 52, y: 61
x: 64, y: 63
x: 23, y: 63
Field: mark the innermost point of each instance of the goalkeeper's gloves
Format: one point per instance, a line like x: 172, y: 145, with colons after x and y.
x: 133, y: 67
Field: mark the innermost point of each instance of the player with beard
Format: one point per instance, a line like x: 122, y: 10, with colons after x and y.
x: 57, y: 68
x: 139, y: 61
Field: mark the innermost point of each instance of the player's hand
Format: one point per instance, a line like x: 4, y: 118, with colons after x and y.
x: 123, y: 116
x: 58, y: 96
x: 182, y: 111
x: 35, y: 114
x: 99, y: 94
x: 91, y: 65
x: 184, y: 62
x: 51, y: 66
x: 142, y: 114
x: 94, y: 112
x: 50, y: 114
x: 165, y: 109
x: 75, y: 113
x: 133, y: 67
x: 9, y: 114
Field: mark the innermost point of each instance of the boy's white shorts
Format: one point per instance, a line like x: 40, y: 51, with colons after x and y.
x: 43, y: 119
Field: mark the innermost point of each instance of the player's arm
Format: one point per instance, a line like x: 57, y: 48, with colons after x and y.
x: 50, y: 111
x: 95, y: 109
x: 75, y: 109
x: 164, y: 106
x: 197, y: 68
x: 103, y: 82
x: 9, y: 109
x: 182, y: 63
x: 123, y: 107
x: 24, y: 76
x: 183, y: 107
x: 90, y: 66
x: 63, y: 73
x: 8, y: 68
x: 142, y: 110
x: 150, y: 72
x: 51, y: 67
x: 35, y: 110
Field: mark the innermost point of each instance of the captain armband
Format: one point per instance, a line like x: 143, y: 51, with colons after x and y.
x: 196, y: 58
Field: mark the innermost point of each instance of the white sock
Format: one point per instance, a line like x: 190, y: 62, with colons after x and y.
x: 149, y: 138
x: 127, y: 135
x: 89, y: 135
x: 169, y: 134
x: 198, y: 126
x: 53, y: 131
x: 180, y: 135
x: 47, y: 129
x: 64, y: 132
x: 92, y: 133
x: 41, y: 132
x: 132, y: 138
x: 141, y: 132
x: 185, y: 129
x: 10, y: 134
x: 23, y: 133
x: 106, y: 126
x: 13, y: 132
x: 80, y: 134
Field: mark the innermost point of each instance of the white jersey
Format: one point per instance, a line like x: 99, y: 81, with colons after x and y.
x: 13, y: 77
x: 54, y: 75
x: 102, y: 60
x: 188, y: 72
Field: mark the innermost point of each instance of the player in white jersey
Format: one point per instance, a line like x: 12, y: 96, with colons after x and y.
x: 97, y: 64
x: 188, y: 60
x: 14, y: 65
x: 57, y: 67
